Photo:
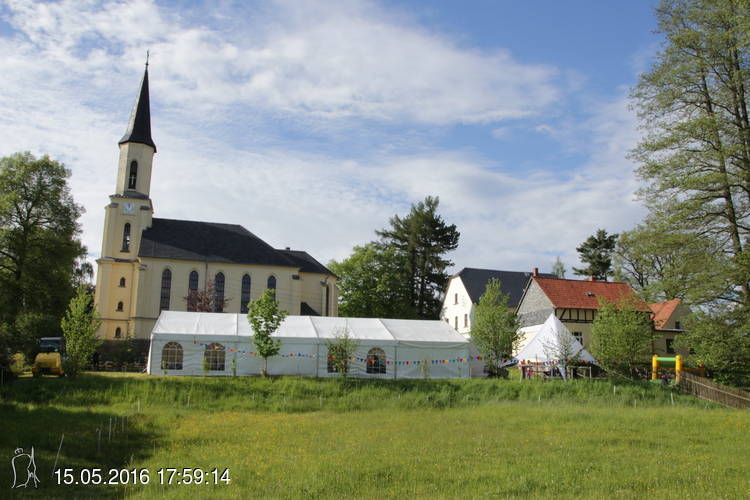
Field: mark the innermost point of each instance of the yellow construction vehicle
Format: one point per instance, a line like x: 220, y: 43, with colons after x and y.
x: 51, y: 356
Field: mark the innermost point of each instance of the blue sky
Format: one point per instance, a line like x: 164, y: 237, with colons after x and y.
x: 313, y: 122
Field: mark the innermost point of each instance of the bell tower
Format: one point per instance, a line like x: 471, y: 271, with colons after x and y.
x: 129, y: 212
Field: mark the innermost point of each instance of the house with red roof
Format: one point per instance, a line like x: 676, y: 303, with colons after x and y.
x: 669, y: 320
x: 574, y: 302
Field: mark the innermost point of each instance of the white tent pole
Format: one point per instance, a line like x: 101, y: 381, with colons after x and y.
x: 395, y: 358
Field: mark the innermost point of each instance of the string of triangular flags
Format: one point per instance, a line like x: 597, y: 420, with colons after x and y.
x: 363, y: 360
x: 400, y: 363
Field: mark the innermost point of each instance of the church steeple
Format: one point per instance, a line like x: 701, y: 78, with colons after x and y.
x: 139, y: 128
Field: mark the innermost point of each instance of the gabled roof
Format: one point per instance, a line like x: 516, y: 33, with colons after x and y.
x: 139, y: 127
x: 663, y: 311
x: 576, y: 294
x: 512, y: 283
x: 306, y: 262
x: 208, y: 241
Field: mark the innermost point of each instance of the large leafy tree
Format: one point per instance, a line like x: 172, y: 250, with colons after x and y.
x: 371, y: 283
x: 40, y: 253
x: 496, y: 328
x: 596, y: 251
x: 695, y: 152
x: 423, y: 238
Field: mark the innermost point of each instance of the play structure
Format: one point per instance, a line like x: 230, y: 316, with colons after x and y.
x: 675, y: 364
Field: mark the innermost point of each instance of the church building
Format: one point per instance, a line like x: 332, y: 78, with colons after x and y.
x: 149, y: 265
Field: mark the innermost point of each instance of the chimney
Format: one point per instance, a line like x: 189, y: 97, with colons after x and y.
x: 592, y: 278
x: 536, y: 272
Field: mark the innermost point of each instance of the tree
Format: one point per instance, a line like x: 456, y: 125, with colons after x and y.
x: 695, y: 152
x: 371, y: 283
x: 622, y: 332
x: 496, y: 328
x: 80, y: 327
x: 422, y: 237
x: 558, y: 268
x: 663, y: 263
x: 720, y: 339
x: 596, y: 251
x: 265, y: 317
x: 39, y: 233
x: 562, y: 349
x: 340, y: 348
x: 206, y: 300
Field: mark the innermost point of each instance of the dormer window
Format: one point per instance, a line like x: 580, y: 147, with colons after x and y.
x: 133, y: 174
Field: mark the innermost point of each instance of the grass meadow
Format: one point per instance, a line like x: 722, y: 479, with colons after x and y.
x: 290, y: 437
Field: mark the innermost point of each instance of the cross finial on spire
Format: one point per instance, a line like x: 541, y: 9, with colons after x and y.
x: 147, y: 58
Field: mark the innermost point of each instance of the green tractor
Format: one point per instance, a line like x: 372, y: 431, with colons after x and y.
x: 51, y: 356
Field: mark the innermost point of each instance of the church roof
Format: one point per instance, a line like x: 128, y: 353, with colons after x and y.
x: 209, y: 241
x: 512, y: 283
x: 139, y: 127
x: 306, y: 262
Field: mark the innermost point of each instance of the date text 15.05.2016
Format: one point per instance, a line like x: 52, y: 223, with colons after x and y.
x: 141, y: 476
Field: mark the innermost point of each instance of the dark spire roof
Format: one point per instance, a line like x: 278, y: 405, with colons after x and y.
x: 139, y: 128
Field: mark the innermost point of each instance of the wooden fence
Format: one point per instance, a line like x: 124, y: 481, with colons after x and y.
x: 712, y: 391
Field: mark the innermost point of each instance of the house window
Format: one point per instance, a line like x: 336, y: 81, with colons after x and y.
x: 455, y: 299
x: 119, y: 306
x: 133, y: 174
x: 455, y: 324
x: 578, y: 336
x: 215, y: 355
x: 122, y: 282
x: 466, y: 321
x: 670, y: 346
x: 245, y: 296
x: 192, y: 289
x: 166, y: 290
x: 126, y: 238
x: 272, y: 285
x: 118, y: 333
x: 676, y: 325
x: 219, y: 292
x: 171, y: 356
x: 376, y: 360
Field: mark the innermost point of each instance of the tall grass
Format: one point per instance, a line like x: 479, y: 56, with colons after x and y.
x: 289, y: 437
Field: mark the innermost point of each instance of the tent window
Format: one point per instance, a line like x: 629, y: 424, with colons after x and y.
x: 171, y: 356
x: 332, y: 363
x: 245, y: 295
x: 166, y: 290
x: 215, y: 355
x: 376, y: 360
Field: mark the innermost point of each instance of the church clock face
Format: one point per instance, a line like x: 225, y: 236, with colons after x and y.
x: 128, y: 208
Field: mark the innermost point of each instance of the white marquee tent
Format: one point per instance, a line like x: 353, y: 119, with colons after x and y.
x: 552, y: 332
x: 389, y: 348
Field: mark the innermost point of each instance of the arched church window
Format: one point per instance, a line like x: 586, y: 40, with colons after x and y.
x: 122, y: 282
x: 166, y: 290
x: 119, y: 306
x: 192, y: 291
x: 245, y: 296
x: 272, y: 286
x: 126, y: 238
x: 376, y: 360
x: 118, y: 333
x: 133, y: 174
x: 219, y: 292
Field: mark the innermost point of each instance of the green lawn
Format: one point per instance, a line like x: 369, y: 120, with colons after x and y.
x: 292, y: 437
